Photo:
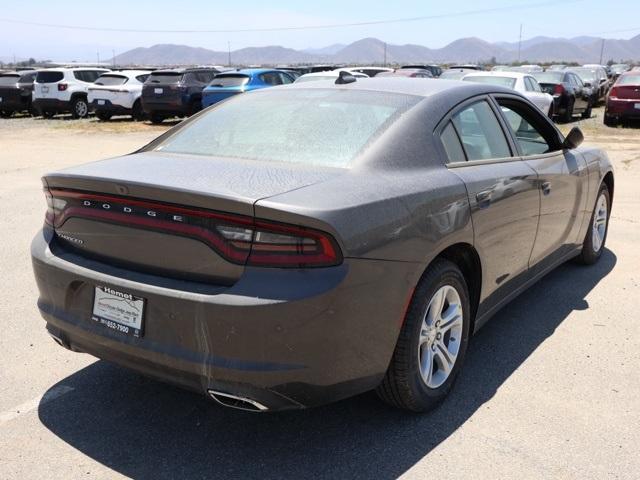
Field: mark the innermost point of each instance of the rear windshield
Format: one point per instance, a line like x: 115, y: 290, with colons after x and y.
x: 229, y: 81
x: 49, y: 77
x: 585, y: 74
x: 629, y: 80
x: 164, y: 77
x: 9, y: 79
x: 493, y: 80
x: 549, y: 77
x: 110, y: 80
x: 312, y: 127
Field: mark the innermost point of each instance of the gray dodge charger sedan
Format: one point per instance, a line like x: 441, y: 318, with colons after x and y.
x: 298, y: 245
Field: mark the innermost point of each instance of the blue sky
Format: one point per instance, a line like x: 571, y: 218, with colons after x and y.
x: 560, y: 19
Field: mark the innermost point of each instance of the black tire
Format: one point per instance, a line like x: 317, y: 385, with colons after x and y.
x: 156, y: 118
x: 48, y: 114
x: 6, y: 113
x: 79, y: 107
x: 195, y: 106
x: 104, y: 116
x: 550, y: 112
x: 567, y: 116
x: 587, y: 113
x: 403, y: 386
x: 610, y: 121
x: 589, y: 255
x: 137, y: 112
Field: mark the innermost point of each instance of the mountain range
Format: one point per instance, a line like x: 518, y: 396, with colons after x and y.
x: 374, y: 51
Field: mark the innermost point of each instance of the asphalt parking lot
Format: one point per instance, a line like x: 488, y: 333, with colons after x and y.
x: 551, y: 387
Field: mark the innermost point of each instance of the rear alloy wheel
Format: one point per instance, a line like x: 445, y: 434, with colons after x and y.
x: 432, y: 343
x: 79, y: 108
x: 596, y: 236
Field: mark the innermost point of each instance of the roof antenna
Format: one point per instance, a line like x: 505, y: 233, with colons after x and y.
x: 344, y: 78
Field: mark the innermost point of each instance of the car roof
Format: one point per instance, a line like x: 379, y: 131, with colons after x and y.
x: 72, y: 69
x: 182, y: 70
x: 127, y: 73
x: 251, y: 71
x: 422, y: 87
x: 505, y: 73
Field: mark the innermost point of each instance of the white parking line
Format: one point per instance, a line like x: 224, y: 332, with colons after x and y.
x: 32, y: 404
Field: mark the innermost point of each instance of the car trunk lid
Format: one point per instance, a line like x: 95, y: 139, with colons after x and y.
x: 172, y: 215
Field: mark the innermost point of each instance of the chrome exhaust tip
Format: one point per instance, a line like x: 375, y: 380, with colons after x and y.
x: 237, y: 402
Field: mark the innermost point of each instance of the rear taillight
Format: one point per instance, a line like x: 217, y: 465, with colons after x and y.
x: 558, y: 89
x: 239, y: 239
x: 62, y: 87
x: 613, y: 93
x: 49, y: 216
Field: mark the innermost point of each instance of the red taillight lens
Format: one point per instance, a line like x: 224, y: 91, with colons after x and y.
x: 62, y: 87
x: 239, y: 239
x: 558, y: 89
x: 613, y: 93
x: 49, y: 216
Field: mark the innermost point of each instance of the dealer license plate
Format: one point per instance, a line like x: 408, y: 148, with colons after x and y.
x: 100, y: 102
x: 118, y: 311
x: 637, y: 105
x: 158, y: 90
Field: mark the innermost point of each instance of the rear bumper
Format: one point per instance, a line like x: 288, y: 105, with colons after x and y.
x: 51, y: 105
x: 13, y: 101
x: 284, y: 338
x: 109, y: 107
x: 176, y: 108
x: 622, y: 108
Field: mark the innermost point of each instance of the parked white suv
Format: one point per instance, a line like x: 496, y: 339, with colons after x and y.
x: 118, y: 93
x: 62, y: 90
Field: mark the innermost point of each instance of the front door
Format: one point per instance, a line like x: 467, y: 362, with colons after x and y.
x: 561, y: 180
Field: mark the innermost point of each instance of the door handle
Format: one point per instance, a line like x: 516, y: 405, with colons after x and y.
x: 484, y: 198
x: 546, y: 188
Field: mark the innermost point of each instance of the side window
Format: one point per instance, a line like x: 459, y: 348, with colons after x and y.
x: 284, y: 78
x: 271, y: 78
x: 452, y: 144
x: 527, y: 84
x: 576, y: 80
x: 533, y: 134
x: 79, y: 76
x: 142, y: 78
x: 535, y: 85
x: 480, y: 132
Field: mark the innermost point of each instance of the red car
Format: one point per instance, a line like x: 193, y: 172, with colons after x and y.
x: 623, y: 101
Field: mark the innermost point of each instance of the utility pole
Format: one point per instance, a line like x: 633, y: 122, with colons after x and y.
x: 113, y: 53
x: 601, y: 52
x: 520, y: 43
x: 229, y: 53
x: 98, y: 56
x: 385, y: 54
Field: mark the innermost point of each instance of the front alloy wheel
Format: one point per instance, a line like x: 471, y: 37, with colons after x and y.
x: 596, y: 236
x: 79, y: 108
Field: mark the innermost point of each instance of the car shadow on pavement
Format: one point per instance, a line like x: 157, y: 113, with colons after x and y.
x: 144, y: 429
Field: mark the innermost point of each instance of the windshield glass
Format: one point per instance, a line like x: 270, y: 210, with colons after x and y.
x: 586, y: 74
x: 493, y: 80
x: 314, y: 78
x: 454, y: 74
x: 549, y: 77
x: 312, y: 127
x: 9, y: 79
x: 229, y: 81
x: 164, y: 77
x: 110, y: 80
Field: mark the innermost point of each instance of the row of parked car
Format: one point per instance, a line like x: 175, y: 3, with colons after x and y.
x: 559, y: 91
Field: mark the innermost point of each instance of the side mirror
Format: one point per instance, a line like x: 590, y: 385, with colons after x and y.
x: 573, y: 140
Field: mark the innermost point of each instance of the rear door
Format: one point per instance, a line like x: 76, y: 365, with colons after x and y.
x: 562, y: 177
x: 503, y: 194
